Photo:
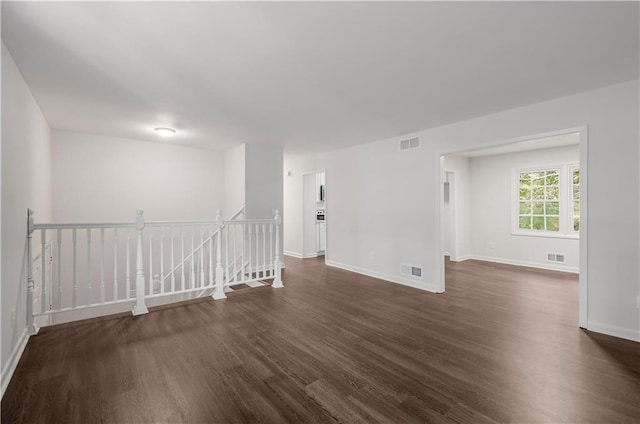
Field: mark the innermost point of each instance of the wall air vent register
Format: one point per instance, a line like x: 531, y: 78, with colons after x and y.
x: 410, y: 143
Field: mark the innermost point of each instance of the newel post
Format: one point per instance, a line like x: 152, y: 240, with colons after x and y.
x: 141, y: 307
x: 218, y: 293
x: 31, y: 327
x: 277, y: 264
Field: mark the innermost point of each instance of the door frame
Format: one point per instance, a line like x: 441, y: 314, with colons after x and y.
x: 583, y: 282
x: 453, y: 246
x: 326, y: 251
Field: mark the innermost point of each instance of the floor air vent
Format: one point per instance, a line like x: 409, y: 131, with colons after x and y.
x: 411, y: 270
x: 556, y: 257
x: 410, y: 143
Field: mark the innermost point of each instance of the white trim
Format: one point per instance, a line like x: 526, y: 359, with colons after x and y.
x: 292, y: 254
x: 546, y: 234
x: 614, y: 330
x: 453, y: 254
x: 462, y: 258
x: 439, y: 219
x: 583, y: 285
x: 299, y: 256
x: 303, y: 256
x: 514, y: 140
x: 14, y: 358
x: 570, y: 169
x: 313, y: 172
x: 565, y: 201
x: 549, y: 267
x: 383, y: 276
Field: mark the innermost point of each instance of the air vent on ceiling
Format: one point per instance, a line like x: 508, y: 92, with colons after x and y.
x: 411, y: 270
x: 556, y: 257
x: 410, y: 143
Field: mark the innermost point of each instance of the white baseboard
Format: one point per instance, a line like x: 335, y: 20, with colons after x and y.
x: 300, y: 256
x: 383, y: 276
x: 613, y: 330
x: 461, y: 258
x: 292, y: 254
x: 12, y: 363
x: 550, y: 267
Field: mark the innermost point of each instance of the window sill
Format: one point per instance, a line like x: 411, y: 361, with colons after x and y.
x: 545, y: 235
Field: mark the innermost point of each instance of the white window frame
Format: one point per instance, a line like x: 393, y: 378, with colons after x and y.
x: 565, y: 207
x: 570, y: 168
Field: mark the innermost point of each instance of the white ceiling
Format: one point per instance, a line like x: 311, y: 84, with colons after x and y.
x: 310, y: 76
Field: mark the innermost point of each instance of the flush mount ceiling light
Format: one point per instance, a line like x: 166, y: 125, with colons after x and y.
x: 164, y: 131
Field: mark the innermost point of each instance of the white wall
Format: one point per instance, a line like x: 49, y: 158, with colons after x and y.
x: 106, y: 179
x: 263, y: 180
x: 491, y: 207
x: 26, y: 183
x: 384, y: 204
x: 297, y: 165
x: 462, y: 207
x: 234, y: 180
x: 378, y: 209
x: 264, y: 183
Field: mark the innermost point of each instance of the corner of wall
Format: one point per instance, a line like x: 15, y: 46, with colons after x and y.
x: 26, y: 169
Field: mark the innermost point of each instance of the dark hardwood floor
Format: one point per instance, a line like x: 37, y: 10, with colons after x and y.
x: 502, y: 345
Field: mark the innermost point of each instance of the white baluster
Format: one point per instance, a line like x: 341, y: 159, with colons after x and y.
x: 193, y: 262
x: 243, y: 241
x: 264, y: 251
x: 219, y: 290
x: 250, y: 263
x: 162, y: 260
x: 270, y: 250
x: 182, y: 276
x: 128, y: 281
x: 74, y: 240
x: 31, y: 327
x: 277, y: 281
x: 256, y: 265
x: 101, y: 265
x: 140, y: 307
x: 59, y: 269
x: 227, y: 264
x: 235, y: 250
x: 173, y: 268
x: 43, y: 262
x: 201, y: 257
x: 90, y: 279
x: 151, y: 261
x: 211, y: 273
x: 116, y: 287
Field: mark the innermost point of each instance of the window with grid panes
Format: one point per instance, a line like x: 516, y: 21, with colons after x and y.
x: 574, y: 175
x: 539, y: 200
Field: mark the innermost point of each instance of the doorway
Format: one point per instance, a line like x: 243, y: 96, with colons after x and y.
x: 529, y: 214
x: 314, y: 216
x: 449, y: 221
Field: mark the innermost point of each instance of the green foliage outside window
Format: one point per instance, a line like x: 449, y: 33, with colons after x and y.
x: 539, y: 207
x: 540, y: 198
x: 575, y: 189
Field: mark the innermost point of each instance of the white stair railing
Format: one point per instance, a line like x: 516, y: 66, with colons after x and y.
x: 237, y: 215
x: 219, y: 254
